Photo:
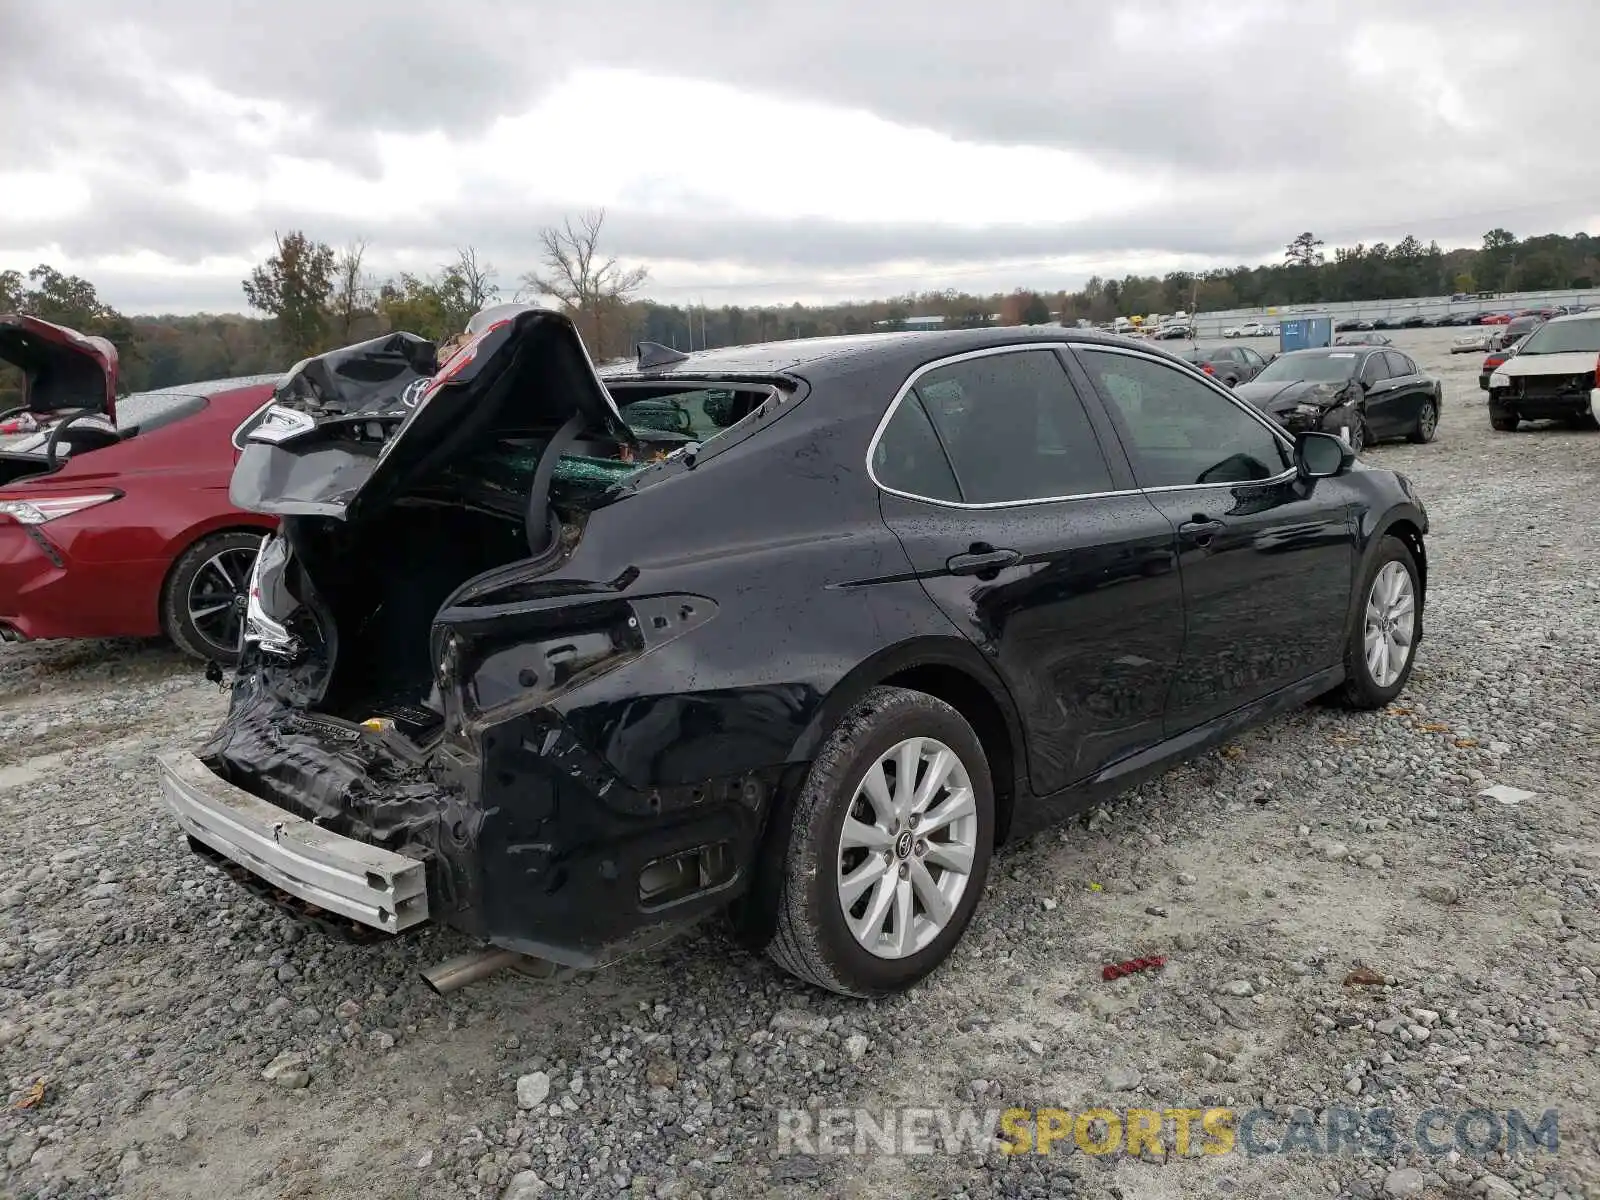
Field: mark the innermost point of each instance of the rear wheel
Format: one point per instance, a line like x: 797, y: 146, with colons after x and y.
x: 1504, y: 424
x: 888, y: 847
x: 202, y: 608
x: 1427, y: 422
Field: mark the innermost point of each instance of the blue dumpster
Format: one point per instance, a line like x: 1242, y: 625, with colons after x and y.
x: 1305, y: 333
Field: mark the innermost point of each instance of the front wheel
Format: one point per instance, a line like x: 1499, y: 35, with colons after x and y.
x: 1382, y: 642
x: 203, y: 605
x: 1427, y: 423
x: 888, y: 850
x: 1358, y: 433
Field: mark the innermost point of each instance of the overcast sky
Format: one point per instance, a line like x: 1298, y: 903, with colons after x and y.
x: 750, y: 151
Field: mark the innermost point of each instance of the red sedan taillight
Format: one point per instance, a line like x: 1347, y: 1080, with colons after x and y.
x: 1208, y: 368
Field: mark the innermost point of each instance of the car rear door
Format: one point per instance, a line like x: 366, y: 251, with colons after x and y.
x: 1266, y: 558
x: 1411, y: 390
x: 1031, y: 538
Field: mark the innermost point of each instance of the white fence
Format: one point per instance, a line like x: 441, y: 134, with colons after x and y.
x: 1211, y: 324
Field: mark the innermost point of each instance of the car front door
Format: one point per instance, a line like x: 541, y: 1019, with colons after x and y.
x: 1017, y: 509
x: 1383, y: 396
x: 1266, y: 558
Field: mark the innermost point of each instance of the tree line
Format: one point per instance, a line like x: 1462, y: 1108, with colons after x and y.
x: 311, y: 296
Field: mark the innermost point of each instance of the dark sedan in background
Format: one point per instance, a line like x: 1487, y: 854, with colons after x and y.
x: 1366, y: 393
x: 1231, y: 365
x: 1518, y: 328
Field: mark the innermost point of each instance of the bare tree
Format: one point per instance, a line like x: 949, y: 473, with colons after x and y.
x: 574, y: 274
x: 476, y: 278
x: 352, y: 290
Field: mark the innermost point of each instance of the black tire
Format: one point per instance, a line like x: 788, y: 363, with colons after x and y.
x: 1358, y: 432
x: 200, y: 640
x: 1360, y: 689
x: 1504, y: 424
x: 811, y: 939
x: 1581, y: 421
x: 1427, y: 423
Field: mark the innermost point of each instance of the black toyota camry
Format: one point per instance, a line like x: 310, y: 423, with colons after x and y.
x: 1364, y: 393
x: 796, y: 632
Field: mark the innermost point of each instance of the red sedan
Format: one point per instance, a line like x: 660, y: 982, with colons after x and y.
x: 114, y: 512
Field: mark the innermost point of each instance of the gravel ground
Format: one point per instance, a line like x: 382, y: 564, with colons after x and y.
x: 192, y: 1042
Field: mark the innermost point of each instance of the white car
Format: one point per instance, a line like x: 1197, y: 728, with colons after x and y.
x: 1480, y: 340
x: 1251, y: 329
x: 1555, y: 373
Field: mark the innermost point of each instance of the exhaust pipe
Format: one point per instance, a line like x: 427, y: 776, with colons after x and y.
x: 456, y: 973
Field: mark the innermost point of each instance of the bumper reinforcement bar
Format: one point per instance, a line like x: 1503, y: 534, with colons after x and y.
x: 373, y: 886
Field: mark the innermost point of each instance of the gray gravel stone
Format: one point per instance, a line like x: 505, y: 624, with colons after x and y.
x: 532, y: 1089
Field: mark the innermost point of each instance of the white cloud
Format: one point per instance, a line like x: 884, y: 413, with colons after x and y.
x: 765, y: 152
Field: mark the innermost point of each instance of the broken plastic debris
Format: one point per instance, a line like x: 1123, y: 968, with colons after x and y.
x: 1094, y: 887
x: 378, y: 724
x: 1363, y: 977
x: 1504, y: 794
x: 1118, y: 970
x: 35, y: 1096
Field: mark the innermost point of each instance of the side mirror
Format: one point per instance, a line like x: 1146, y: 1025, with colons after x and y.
x: 1321, y: 455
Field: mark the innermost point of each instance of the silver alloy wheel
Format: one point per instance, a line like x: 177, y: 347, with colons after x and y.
x: 907, y: 846
x: 1391, y: 623
x: 217, y: 596
x: 1428, y: 420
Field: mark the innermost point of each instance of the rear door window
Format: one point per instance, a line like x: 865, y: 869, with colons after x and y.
x: 1014, y: 428
x: 1399, y: 364
x: 1374, y: 369
x: 909, y: 459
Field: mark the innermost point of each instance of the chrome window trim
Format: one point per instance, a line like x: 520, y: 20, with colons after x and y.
x: 1018, y: 347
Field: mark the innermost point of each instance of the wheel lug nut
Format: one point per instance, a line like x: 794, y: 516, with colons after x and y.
x: 922, y: 847
x: 904, y: 870
x: 914, y: 819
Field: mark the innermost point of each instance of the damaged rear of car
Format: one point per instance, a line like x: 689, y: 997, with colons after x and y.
x: 457, y: 555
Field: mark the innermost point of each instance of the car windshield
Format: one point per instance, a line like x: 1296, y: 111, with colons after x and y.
x: 1564, y: 337
x: 1317, y: 368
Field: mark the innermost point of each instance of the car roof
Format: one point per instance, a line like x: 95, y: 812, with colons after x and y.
x: 1352, y: 348
x: 1587, y: 314
x: 782, y: 358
